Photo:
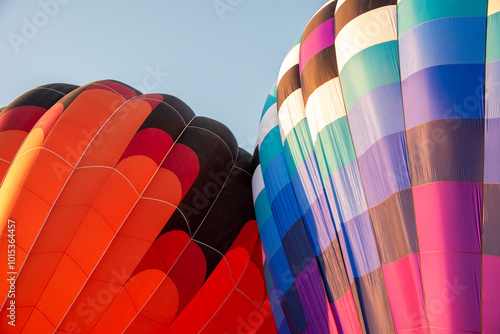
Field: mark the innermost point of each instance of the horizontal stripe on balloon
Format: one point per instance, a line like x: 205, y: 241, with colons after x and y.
x: 412, y: 13
x: 374, y: 67
x: 443, y: 93
x: 318, y: 40
x: 348, y: 10
x: 372, y: 28
x: 457, y: 40
x: 491, y: 212
x: 375, y: 115
x: 493, y: 33
x: 446, y: 151
x: 384, y: 168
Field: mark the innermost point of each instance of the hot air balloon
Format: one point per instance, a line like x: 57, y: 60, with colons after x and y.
x: 377, y: 181
x: 125, y: 213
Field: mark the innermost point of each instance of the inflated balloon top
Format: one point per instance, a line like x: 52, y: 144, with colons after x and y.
x: 124, y: 212
x: 377, y: 189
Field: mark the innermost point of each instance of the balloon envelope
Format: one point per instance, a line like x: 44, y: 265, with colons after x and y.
x: 378, y: 177
x: 125, y: 213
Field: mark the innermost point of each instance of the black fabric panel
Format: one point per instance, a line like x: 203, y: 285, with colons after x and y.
x: 298, y: 248
x: 289, y: 83
x: 170, y: 118
x: 394, y: 227
x: 351, y: 9
x: 334, y: 273
x: 491, y: 219
x: 231, y: 211
x: 43, y: 96
x: 446, y: 150
x: 294, y: 313
x: 373, y: 302
x: 319, y: 70
x: 215, y: 160
x: 322, y: 16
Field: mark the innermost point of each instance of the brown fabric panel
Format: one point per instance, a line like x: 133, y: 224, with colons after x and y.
x: 491, y: 219
x: 446, y: 150
x: 394, y: 226
x: 333, y: 268
x: 322, y: 16
x: 319, y: 70
x: 374, y: 303
x: 351, y: 9
x: 289, y: 83
x: 359, y: 311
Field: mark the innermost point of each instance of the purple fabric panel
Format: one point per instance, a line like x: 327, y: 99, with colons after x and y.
x: 491, y: 294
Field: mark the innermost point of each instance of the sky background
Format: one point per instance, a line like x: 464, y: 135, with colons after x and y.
x: 221, y: 63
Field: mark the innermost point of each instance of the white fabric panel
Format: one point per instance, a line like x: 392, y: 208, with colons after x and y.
x: 291, y: 59
x: 291, y: 112
x: 324, y: 106
x: 257, y: 183
x: 493, y: 7
x: 268, y: 122
x: 372, y: 28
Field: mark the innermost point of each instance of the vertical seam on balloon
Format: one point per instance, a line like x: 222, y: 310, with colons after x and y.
x: 125, y: 219
x: 51, y: 209
x: 481, y: 227
x: 410, y: 176
x: 368, y: 211
x: 208, y: 212
x: 176, y: 209
x: 344, y: 274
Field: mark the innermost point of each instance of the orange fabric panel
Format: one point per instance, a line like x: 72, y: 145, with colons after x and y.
x: 120, y: 259
x: 110, y: 141
x: 117, y: 314
x: 213, y: 328
x: 87, y: 309
x: 142, y: 286
x: 146, y: 220
x: 44, y: 180
x: 115, y: 200
x: 22, y: 315
x: 84, y: 186
x: 68, y: 277
x: 11, y: 142
x: 38, y: 323
x: 28, y: 222
x: 158, y: 188
x: 90, y: 241
x: 49, y: 118
x: 76, y: 127
x: 61, y: 225
x: 139, y: 170
x: 35, y: 274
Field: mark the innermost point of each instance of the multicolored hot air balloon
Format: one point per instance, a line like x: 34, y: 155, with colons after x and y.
x: 377, y: 188
x: 125, y: 213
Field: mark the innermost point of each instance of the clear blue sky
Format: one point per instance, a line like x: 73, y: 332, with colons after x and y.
x: 220, y: 63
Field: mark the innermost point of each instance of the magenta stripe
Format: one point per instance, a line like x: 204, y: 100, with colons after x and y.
x: 346, y: 315
x: 404, y: 289
x: 491, y: 294
x: 448, y: 216
x: 320, y: 38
